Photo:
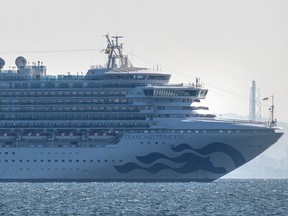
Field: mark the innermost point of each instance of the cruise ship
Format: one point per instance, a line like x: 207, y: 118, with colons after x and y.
x: 117, y: 122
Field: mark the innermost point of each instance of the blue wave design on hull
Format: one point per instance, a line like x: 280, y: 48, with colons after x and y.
x: 192, y: 162
x: 184, y: 158
x: 155, y: 168
x: 233, y: 153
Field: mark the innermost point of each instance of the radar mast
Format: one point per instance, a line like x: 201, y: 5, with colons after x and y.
x: 114, y: 52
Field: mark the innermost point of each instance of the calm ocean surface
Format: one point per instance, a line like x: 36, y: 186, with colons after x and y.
x: 222, y: 197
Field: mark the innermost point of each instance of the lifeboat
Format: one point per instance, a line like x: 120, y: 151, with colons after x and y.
x: 68, y: 136
x: 102, y: 136
x: 7, y: 136
x: 35, y: 136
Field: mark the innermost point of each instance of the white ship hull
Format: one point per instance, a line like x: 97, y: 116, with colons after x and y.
x: 139, y: 157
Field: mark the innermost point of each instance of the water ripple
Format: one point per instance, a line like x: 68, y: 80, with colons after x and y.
x: 223, y: 197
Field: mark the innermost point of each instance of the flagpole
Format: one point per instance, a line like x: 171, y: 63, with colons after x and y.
x: 272, y: 111
x: 273, y: 121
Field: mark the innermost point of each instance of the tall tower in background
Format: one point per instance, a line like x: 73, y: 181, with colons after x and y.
x: 255, y: 103
x: 252, y: 104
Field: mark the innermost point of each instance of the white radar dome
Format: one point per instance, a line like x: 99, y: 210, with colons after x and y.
x: 2, y: 63
x: 20, y: 62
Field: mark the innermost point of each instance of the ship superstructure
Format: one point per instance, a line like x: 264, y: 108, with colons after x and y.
x: 116, y: 123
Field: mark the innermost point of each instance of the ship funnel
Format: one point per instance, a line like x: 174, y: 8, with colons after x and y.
x: 20, y: 62
x: 2, y: 63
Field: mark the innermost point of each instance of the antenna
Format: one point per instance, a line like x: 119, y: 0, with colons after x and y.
x: 272, y: 122
x: 117, y: 37
x: 114, y: 51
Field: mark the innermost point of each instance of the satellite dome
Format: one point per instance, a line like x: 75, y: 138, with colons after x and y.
x: 20, y: 62
x: 2, y: 63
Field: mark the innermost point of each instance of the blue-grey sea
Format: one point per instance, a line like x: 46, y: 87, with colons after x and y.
x: 222, y: 197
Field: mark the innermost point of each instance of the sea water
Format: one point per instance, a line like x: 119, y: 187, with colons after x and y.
x: 222, y: 197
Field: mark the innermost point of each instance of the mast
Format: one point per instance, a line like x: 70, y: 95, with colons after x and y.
x: 114, y: 52
x: 273, y: 121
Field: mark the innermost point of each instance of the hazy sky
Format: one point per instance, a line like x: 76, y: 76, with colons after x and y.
x: 226, y: 43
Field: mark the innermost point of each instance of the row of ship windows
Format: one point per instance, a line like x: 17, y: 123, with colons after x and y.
x: 182, y: 107
x: 171, y: 92
x: 135, y: 77
x: 41, y: 101
x: 184, y: 115
x: 152, y: 143
x: 34, y: 169
x: 69, y: 85
x: 42, y: 153
x: 13, y: 153
x: 51, y: 85
x: 62, y: 161
x: 73, y: 124
x: 6, y: 153
x: 62, y: 93
x: 148, y: 132
x: 174, y: 100
x: 72, y: 108
x: 46, y: 101
x: 114, y: 116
